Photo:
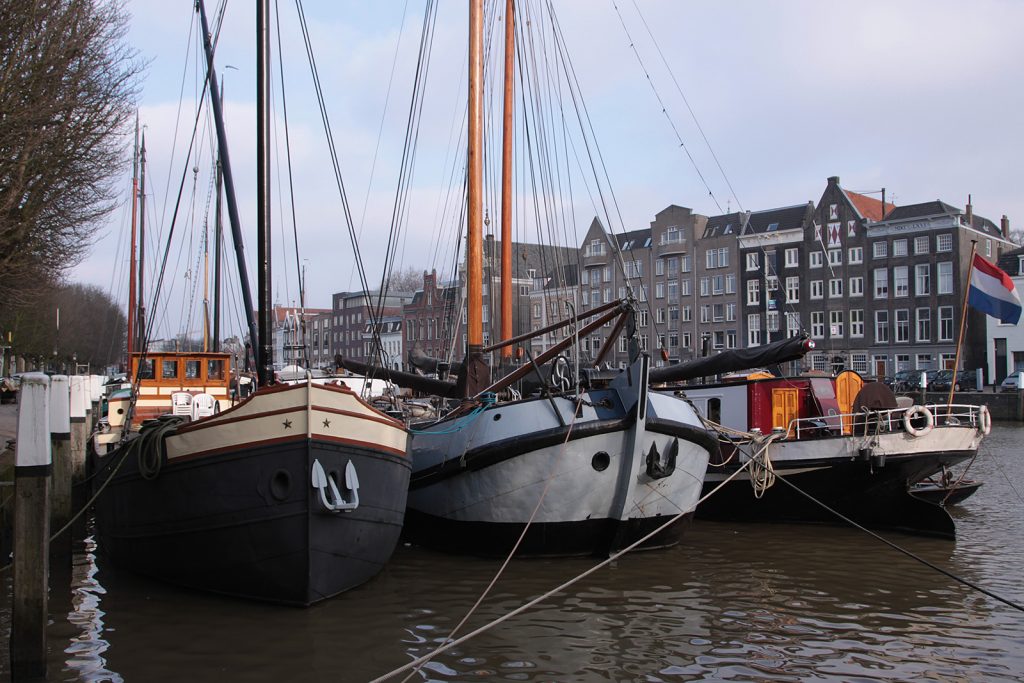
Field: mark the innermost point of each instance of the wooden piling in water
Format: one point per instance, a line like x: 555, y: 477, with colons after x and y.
x: 95, y: 393
x: 60, y: 446
x: 79, y: 427
x: 32, y: 473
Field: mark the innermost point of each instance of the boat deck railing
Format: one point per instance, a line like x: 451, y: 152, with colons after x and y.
x: 886, y: 421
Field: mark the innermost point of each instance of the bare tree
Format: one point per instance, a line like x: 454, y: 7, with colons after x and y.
x: 68, y: 82
x: 70, y: 322
x: 408, y: 280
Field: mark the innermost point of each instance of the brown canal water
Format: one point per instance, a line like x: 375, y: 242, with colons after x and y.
x: 753, y: 602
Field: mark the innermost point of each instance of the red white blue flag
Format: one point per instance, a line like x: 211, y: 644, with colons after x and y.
x: 992, y: 292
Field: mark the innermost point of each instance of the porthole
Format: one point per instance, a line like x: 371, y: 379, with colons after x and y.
x: 600, y: 461
x: 280, y: 484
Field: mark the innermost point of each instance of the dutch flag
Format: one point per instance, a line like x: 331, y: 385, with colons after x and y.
x: 992, y: 292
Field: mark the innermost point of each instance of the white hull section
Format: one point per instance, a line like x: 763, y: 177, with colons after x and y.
x: 520, y: 462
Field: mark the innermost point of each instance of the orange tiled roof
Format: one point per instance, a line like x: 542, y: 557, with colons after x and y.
x: 869, y: 207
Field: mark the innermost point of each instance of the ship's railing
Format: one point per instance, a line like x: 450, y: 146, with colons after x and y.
x: 882, y: 421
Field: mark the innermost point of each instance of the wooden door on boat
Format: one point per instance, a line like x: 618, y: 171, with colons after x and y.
x: 785, y: 407
x: 848, y: 385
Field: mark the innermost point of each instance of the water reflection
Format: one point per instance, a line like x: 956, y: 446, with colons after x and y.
x: 740, y: 602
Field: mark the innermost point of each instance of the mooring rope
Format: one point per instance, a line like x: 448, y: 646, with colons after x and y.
x: 418, y: 662
x: 126, y: 449
x: 906, y: 552
x: 511, y: 553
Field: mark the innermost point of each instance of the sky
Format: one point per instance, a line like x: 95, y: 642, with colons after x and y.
x: 922, y: 98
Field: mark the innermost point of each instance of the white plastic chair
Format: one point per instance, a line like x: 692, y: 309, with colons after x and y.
x: 181, y: 403
x: 204, y: 405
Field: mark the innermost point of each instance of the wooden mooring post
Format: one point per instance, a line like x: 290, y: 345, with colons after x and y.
x: 32, y: 471
x: 60, y: 445
x: 95, y: 393
x: 79, y: 426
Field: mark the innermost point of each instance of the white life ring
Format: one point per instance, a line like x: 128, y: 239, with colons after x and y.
x: 913, y: 413
x: 984, y: 420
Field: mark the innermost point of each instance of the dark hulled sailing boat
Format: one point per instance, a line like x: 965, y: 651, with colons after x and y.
x: 292, y: 496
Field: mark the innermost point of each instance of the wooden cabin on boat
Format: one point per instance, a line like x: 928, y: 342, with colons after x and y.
x: 169, y: 382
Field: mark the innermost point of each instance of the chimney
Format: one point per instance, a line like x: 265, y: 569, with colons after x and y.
x: 833, y: 180
x: 970, y: 213
x: 1004, y: 226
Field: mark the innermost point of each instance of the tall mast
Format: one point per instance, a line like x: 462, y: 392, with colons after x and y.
x: 265, y: 361
x: 218, y: 232
x: 131, y: 264
x: 229, y: 183
x: 206, y: 288
x: 475, y: 375
x: 506, y: 188
x: 141, y: 297
x: 474, y: 251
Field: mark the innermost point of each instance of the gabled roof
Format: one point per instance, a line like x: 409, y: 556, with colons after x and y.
x: 527, y: 256
x: 920, y: 210
x: 941, y: 208
x: 634, y: 239
x: 868, y: 207
x: 1010, y: 261
x: 774, y: 220
x: 725, y: 224
x: 570, y: 277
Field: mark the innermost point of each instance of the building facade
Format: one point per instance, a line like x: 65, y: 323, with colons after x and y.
x: 351, y: 312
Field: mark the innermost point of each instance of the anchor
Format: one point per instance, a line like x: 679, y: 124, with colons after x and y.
x: 322, y: 482
x: 658, y: 467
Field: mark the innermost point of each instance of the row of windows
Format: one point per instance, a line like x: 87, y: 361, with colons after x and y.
x: 854, y: 255
x: 900, y: 284
x: 902, y: 329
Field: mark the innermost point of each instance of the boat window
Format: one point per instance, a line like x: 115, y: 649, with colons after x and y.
x: 146, y: 369
x: 192, y: 369
x: 169, y: 369
x: 715, y: 410
x: 215, y: 369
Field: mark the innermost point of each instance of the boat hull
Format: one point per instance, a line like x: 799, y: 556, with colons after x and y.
x: 578, y: 488
x: 937, y: 494
x: 243, y: 518
x: 863, y: 480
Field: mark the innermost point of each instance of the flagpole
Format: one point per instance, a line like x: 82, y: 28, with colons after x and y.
x: 963, y: 325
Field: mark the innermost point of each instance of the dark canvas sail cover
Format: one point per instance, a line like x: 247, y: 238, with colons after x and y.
x: 735, y: 360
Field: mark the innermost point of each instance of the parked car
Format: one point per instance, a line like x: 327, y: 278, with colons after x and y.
x: 898, y: 381
x: 966, y: 380
x: 1012, y: 382
x: 910, y: 380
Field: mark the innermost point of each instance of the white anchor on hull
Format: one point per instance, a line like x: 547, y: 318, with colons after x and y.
x: 322, y: 482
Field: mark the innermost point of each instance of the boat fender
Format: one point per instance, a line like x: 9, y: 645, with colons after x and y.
x: 912, y: 418
x: 984, y: 420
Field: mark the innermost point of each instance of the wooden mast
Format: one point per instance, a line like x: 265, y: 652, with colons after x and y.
x: 475, y: 375
x: 131, y: 267
x: 506, y: 186
x: 265, y: 360
x: 963, y: 323
x: 206, y: 289
x: 140, y: 320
